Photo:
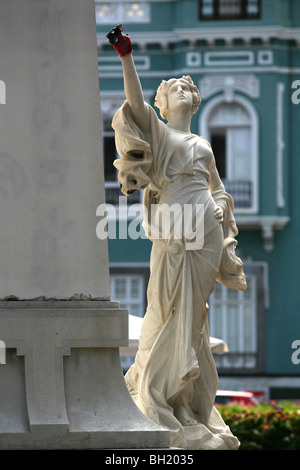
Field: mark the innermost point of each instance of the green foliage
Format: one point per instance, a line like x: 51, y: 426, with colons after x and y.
x: 268, y: 426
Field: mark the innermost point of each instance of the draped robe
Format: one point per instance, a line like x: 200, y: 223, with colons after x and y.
x: 174, y: 363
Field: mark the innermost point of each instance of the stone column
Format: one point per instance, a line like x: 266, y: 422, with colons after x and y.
x: 61, y: 384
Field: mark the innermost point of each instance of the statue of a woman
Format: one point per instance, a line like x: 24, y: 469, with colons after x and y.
x: 174, y: 380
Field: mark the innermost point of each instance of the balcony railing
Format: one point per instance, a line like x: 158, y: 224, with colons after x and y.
x: 241, y: 191
x: 237, y: 361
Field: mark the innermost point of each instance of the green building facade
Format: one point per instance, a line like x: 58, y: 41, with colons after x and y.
x: 244, y: 56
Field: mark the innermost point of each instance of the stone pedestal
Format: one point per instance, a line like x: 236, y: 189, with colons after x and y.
x: 61, y: 386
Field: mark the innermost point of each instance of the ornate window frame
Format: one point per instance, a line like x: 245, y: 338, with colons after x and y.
x: 112, y: 12
x: 229, y: 96
x: 219, y: 10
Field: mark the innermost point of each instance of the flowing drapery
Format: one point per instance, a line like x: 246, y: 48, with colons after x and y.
x: 174, y: 379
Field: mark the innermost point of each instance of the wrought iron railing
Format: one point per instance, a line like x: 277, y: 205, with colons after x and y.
x: 241, y: 191
x: 237, y: 361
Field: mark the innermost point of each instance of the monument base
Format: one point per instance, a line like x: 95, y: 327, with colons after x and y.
x: 62, y: 385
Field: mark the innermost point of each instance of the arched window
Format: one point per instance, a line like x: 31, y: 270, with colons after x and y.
x: 231, y: 128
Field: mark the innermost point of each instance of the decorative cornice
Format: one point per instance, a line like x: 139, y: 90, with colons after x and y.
x: 110, y: 101
x: 248, y: 84
x: 266, y: 223
x: 210, y: 35
x: 246, y: 33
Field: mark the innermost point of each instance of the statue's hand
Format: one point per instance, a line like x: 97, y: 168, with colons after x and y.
x: 219, y: 214
x: 121, y: 42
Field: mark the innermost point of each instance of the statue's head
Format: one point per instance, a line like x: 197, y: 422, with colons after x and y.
x: 164, y: 89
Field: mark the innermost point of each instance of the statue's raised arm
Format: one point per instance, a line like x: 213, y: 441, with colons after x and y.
x: 132, y: 85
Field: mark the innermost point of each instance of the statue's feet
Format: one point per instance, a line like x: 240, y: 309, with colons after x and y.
x: 184, y: 415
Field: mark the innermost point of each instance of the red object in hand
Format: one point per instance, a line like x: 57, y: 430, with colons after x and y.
x: 121, y: 42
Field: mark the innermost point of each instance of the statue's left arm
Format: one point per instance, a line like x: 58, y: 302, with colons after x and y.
x: 218, y: 192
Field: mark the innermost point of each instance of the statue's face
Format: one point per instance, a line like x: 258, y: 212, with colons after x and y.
x: 180, y: 97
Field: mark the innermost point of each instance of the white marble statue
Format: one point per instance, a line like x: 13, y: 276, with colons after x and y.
x: 174, y: 379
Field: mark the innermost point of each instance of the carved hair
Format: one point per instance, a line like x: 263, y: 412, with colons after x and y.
x: 161, y: 98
